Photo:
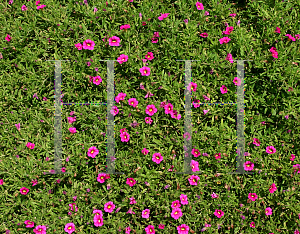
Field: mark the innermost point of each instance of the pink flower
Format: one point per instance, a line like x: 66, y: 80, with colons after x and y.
x: 193, y: 180
x: 133, y: 102
x: 290, y: 37
x: 232, y: 15
x: 78, y: 46
x: 102, y: 177
x: 98, y: 221
x: 256, y: 142
x: 72, y: 112
x: 192, y: 86
x: 88, y: 44
x: 248, y: 166
x: 163, y: 16
x: 92, y: 152
x: 175, y: 114
x: 205, y: 111
x: 184, y: 199
x: 72, y: 130
x: 1, y: 182
x: 223, y: 89
x: 151, y: 110
x: 120, y: 97
x: 175, y: 204
x: 125, y: 137
x: 287, y: 116
x: 18, y: 126
x: 73, y: 207
x: 8, y: 37
x: 29, y: 224
x: 98, y: 212
x: 69, y: 228
x: 130, y: 181
x: 213, y: 195
x: 24, y: 8
x: 127, y: 230
x: 292, y: 158
x: 229, y: 58
x: 237, y: 81
x: 272, y: 188
x: 109, y: 207
x: 217, y: 155
x: 149, y: 56
x: 252, y: 224
x: 183, y: 229
x: 195, y: 152
x: 146, y: 213
x: 224, y: 40
x: 195, y: 165
x: 126, y: 26
x: 268, y: 211
x: 40, y: 229
x: 122, y: 58
x: 132, y: 200
x: 219, y: 213
x: 145, y: 151
x: 296, y: 231
x: 204, y: 35
x: 199, y: 6
x: 97, y: 80
x: 114, y: 111
x: 145, y: 71
x: 168, y: 108
x: 157, y: 158
x: 277, y: 30
x: 154, y: 40
x: 150, y: 229
x: 114, y: 41
x: 228, y: 30
x: 176, y: 213
x: 24, y: 190
x: 63, y: 169
x: 156, y: 34
x: 252, y: 196
x: 71, y: 120
x: 206, y: 13
x: 148, y: 120
x: 161, y: 226
x: 270, y: 150
x: 30, y: 145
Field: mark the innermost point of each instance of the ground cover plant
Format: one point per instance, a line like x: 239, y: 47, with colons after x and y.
x: 146, y: 38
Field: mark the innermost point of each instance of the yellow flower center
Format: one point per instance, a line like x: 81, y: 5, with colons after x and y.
x: 219, y: 212
x: 69, y: 227
x: 182, y: 229
x: 24, y: 191
x: 194, y: 180
x: 157, y: 157
x: 145, y: 72
x: 131, y: 102
x: 176, y: 212
x: 123, y: 59
x: 109, y: 206
x: 150, y: 110
x: 88, y: 44
x: 92, y: 151
x: 113, y: 40
x: 101, y: 177
x: 145, y: 212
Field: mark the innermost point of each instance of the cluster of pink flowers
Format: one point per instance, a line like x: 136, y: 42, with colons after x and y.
x: 102, y: 177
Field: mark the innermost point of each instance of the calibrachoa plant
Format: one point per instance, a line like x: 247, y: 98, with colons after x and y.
x: 144, y: 41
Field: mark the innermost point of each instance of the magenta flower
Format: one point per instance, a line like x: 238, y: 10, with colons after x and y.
x: 30, y: 145
x: 175, y: 114
x: 125, y: 137
x: 287, y: 116
x: 192, y: 87
x: 34, y: 182
x: 214, y: 195
x: 149, y: 56
x: 199, y: 6
x: 78, y: 46
x: 127, y: 230
x: 71, y: 119
x: 98, y: 221
x: 24, y: 190
x: 72, y: 112
x: 176, y: 213
x: 145, y: 151
x: 122, y: 58
x: 98, y: 212
x: 277, y: 30
x: 248, y: 166
x: 193, y: 180
x: 183, y: 229
x: 1, y: 182
x: 228, y: 30
x: 184, y: 199
x: 29, y: 224
x: 151, y: 110
x: 146, y: 213
x: 114, y: 41
x: 175, y: 204
x: 133, y: 102
x: 292, y: 158
x: 102, y: 177
x: 130, y: 181
x: 268, y: 211
x: 219, y: 213
x: 92, y: 152
x: 156, y: 34
x: 148, y: 120
x: 252, y: 196
x: 232, y: 15
x: 217, y: 155
x: 72, y: 130
x: 114, y: 111
x: 8, y: 37
x: 224, y: 40
x: 290, y: 37
x: 109, y: 207
x: 204, y: 35
x: 223, y: 89
x: 256, y: 142
x: 195, y: 152
x: 168, y: 108
x: 229, y: 58
x: 24, y: 8
x: 150, y: 229
x: 40, y: 229
x: 97, y: 80
x: 88, y: 44
x: 161, y: 226
x: 206, y: 13
x: 252, y: 224
x: 154, y: 40
x: 145, y: 71
x: 195, y: 165
x: 205, y: 111
x: 18, y: 126
x: 163, y: 16
x: 132, y: 200
x: 126, y: 26
x: 270, y: 150
x: 237, y: 81
x: 120, y: 97
x: 272, y: 188
x: 69, y: 228
x: 157, y: 158
x: 73, y: 207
